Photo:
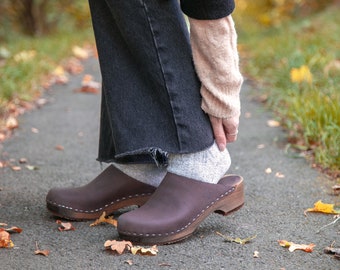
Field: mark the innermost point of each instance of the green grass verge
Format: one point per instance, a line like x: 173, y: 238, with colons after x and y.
x: 309, y: 110
x: 21, y: 79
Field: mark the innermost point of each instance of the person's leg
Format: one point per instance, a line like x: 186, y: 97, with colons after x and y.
x: 206, y: 166
x: 194, y: 185
x: 146, y: 173
x: 117, y: 186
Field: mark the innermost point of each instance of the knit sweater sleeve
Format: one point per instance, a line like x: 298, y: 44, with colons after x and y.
x: 214, y: 46
x: 207, y: 9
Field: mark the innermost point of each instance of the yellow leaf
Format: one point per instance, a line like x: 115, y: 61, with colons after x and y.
x: 103, y: 219
x: 301, y: 74
x: 292, y: 246
x: 5, y: 239
x: 321, y: 207
x: 144, y: 251
x: 80, y: 52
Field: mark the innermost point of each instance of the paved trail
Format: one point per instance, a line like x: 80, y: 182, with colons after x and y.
x: 274, y: 206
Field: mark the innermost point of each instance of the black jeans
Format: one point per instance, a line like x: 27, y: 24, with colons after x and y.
x: 150, y: 96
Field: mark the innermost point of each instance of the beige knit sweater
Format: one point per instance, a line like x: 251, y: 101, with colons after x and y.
x: 214, y: 46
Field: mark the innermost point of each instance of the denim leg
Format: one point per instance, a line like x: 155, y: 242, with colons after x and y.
x: 151, y: 101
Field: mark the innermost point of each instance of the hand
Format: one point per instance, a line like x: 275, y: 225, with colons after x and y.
x: 225, y: 130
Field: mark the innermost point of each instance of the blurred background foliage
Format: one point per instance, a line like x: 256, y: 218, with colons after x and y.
x: 42, y: 17
x: 276, y: 12
x: 291, y: 50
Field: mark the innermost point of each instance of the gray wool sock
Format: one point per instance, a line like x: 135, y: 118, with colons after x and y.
x: 146, y: 173
x: 206, y: 166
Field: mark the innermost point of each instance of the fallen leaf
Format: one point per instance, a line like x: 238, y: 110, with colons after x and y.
x: 261, y: 146
x: 279, y: 175
x: 292, y: 246
x: 59, y: 147
x: 32, y: 168
x: 137, y: 250
x: 268, y: 171
x: 41, y: 252
x: 80, y: 52
x: 336, y: 189
x: 273, y: 123
x: 164, y: 264
x: 333, y: 251
x: 5, y: 239
x: 22, y: 160
x: 237, y: 239
x: 301, y: 74
x: 12, y: 123
x: 13, y: 230
x: 117, y: 246
x: 88, y: 85
x: 129, y: 262
x: 74, y: 66
x: 16, y: 168
x: 59, y: 75
x: 103, y: 219
x: 34, y: 130
x: 65, y: 226
x: 321, y: 207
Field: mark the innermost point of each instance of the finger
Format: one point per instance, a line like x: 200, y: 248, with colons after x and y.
x: 219, y: 133
x: 231, y: 138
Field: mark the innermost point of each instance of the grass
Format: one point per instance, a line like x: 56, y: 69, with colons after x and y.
x: 309, y: 110
x: 22, y: 79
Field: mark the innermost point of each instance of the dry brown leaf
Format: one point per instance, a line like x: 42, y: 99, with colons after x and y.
x: 336, y: 189
x: 13, y: 230
x: 268, y: 171
x: 16, y: 168
x: 80, y: 52
x: 273, y: 123
x: 12, y: 123
x: 23, y: 160
x: 261, y: 146
x: 34, y: 130
x: 129, y: 262
x: 333, y: 251
x: 74, y: 66
x: 117, y: 246
x: 292, y: 246
x: 65, y: 226
x: 256, y: 254
x: 137, y: 250
x: 103, y: 219
x: 59, y: 147
x: 321, y: 207
x: 88, y: 85
x: 41, y: 252
x: 279, y: 175
x: 59, y: 75
x: 5, y: 239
